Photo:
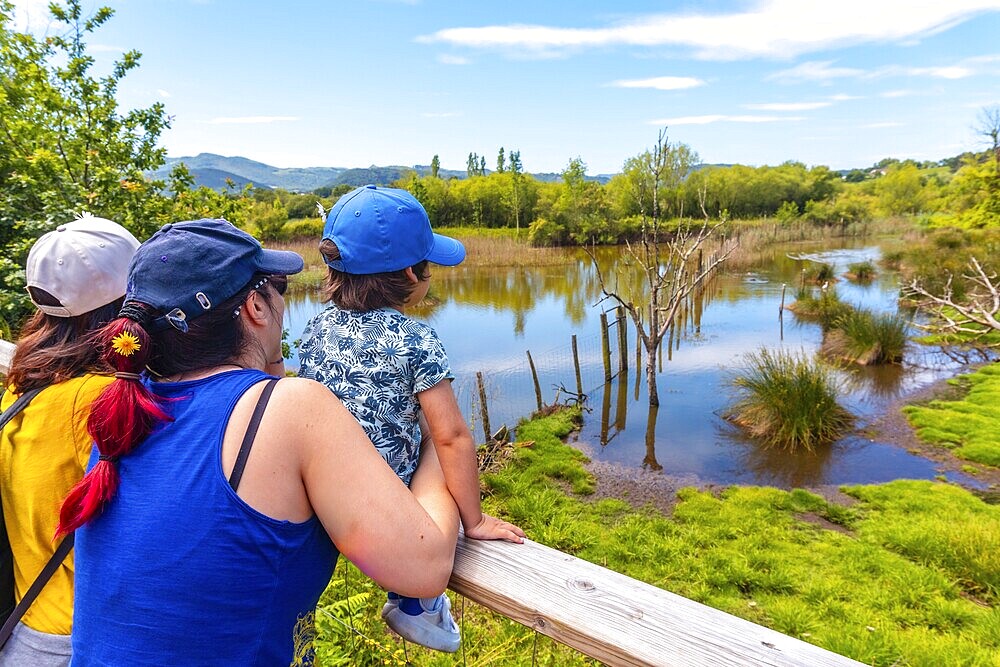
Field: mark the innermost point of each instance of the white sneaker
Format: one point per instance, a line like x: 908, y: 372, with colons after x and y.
x: 433, y: 629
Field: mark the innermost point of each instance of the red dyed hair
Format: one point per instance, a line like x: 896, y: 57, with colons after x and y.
x: 120, y: 418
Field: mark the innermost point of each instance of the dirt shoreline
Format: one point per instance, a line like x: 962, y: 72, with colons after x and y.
x: 658, y: 489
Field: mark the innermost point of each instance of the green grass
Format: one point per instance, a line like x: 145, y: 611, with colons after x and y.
x: 819, y: 273
x: 862, y: 272
x: 824, y: 307
x: 863, y: 337
x: 908, y: 575
x: 787, y: 400
x: 970, y: 426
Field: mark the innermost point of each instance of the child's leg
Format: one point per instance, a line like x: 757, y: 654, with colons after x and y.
x: 428, y: 621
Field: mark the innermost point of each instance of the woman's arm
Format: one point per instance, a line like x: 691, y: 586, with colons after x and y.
x: 403, y: 540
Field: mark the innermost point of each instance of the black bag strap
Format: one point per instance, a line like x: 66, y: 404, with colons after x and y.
x: 36, y: 587
x: 258, y: 414
x: 19, y: 404
x: 57, y: 558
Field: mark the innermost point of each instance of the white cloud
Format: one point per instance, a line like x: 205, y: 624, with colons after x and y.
x: 787, y: 106
x: 447, y: 59
x: 943, y: 72
x: 877, y: 126
x: 251, y: 120
x: 441, y: 114
x: 892, y: 94
x: 162, y: 93
x: 770, y: 28
x: 844, y: 97
x: 815, y: 70
x: 720, y: 118
x: 660, y: 83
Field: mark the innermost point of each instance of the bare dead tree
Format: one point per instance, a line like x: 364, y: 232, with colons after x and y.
x: 989, y: 127
x: 671, y: 266
x: 974, y: 316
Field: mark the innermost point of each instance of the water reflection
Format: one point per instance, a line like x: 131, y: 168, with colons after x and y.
x: 488, y: 318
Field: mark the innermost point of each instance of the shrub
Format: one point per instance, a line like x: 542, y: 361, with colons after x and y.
x: 787, y: 400
x: 862, y: 272
x: 862, y: 337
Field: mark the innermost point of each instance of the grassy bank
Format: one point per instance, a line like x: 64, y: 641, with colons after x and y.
x: 909, y: 574
x: 970, y: 426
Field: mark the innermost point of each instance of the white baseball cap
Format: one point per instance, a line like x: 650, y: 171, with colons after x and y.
x: 83, y: 264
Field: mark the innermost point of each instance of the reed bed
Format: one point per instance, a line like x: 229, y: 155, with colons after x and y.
x: 788, y: 400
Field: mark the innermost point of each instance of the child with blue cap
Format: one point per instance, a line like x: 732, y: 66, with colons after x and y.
x: 392, y: 372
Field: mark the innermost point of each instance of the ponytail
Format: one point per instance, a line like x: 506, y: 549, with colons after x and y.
x: 120, y: 418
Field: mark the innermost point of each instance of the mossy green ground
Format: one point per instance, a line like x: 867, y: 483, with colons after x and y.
x: 970, y: 427
x: 907, y: 575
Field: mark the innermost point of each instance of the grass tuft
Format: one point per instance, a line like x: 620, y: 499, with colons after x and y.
x: 862, y: 337
x: 788, y: 401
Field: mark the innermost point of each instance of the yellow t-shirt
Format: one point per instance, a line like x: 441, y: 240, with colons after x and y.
x: 43, y: 452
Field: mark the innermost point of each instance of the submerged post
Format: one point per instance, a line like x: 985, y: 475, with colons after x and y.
x: 483, y: 409
x: 622, y: 340
x: 534, y: 378
x: 606, y: 347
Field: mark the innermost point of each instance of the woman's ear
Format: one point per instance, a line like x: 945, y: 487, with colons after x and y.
x: 256, y: 308
x: 410, y: 275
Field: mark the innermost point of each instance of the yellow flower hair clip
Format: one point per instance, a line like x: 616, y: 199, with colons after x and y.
x: 125, y: 344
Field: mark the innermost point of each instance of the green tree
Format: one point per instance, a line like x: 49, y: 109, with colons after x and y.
x: 501, y: 162
x: 66, y: 146
x: 435, y: 166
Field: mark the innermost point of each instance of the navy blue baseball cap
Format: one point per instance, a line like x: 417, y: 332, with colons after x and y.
x: 379, y: 230
x: 187, y: 268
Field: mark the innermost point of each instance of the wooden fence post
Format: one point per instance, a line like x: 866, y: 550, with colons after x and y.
x: 576, y: 365
x: 622, y: 340
x: 606, y: 347
x: 484, y: 410
x: 534, y: 377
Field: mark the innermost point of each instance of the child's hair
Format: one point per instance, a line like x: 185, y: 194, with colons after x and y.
x: 54, y: 349
x: 126, y: 411
x: 352, y: 291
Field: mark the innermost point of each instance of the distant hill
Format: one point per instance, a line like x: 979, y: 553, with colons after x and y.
x: 212, y: 171
x: 243, y: 171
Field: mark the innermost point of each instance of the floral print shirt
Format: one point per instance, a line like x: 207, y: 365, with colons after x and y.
x: 376, y: 362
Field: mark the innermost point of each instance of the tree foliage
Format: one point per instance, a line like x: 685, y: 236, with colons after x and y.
x: 67, y: 147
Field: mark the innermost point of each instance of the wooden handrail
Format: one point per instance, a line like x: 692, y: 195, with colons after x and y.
x: 614, y: 618
x: 606, y: 615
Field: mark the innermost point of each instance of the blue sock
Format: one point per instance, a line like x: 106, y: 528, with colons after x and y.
x: 410, y: 606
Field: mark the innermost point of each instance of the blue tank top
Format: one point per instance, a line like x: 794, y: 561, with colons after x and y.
x: 178, y: 570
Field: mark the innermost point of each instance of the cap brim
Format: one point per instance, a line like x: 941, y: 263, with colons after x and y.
x: 446, y: 251
x: 281, y: 262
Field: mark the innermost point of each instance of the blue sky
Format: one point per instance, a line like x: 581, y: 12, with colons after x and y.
x: 350, y: 84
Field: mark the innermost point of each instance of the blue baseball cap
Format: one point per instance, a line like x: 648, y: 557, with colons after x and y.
x: 187, y: 268
x: 379, y: 230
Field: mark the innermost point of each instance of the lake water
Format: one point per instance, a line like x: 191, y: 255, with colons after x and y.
x: 488, y: 318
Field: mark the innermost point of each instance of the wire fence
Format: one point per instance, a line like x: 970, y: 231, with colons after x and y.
x: 563, y: 373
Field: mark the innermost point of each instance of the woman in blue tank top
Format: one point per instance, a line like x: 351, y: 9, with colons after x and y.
x: 218, y: 497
